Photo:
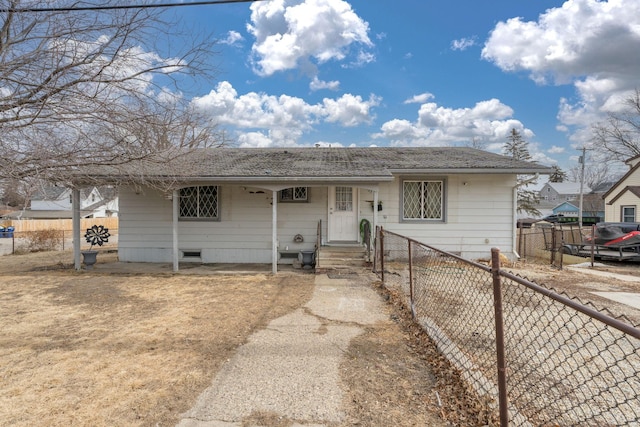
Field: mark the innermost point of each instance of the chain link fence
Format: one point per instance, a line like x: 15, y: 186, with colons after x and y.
x: 540, y: 357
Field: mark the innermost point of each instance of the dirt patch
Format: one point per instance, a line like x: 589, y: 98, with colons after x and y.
x: 94, y: 349
x: 396, y: 376
x: 89, y: 348
x: 580, y: 284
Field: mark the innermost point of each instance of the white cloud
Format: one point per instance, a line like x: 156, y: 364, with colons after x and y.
x: 419, y: 99
x: 583, y: 37
x: 280, y: 120
x: 556, y: 150
x: 362, y: 58
x: 290, y: 33
x: 233, y: 38
x: 590, y: 44
x: 436, y: 125
x: 349, y: 110
x: 317, y: 84
x: 463, y: 43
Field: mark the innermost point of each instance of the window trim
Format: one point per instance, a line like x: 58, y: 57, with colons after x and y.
x: 294, y: 200
x: 198, y: 218
x: 622, y: 214
x: 443, y: 199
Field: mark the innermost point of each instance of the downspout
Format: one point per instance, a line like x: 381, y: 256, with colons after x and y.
x: 175, y: 254
x: 274, y: 233
x: 75, y: 219
x: 375, y: 211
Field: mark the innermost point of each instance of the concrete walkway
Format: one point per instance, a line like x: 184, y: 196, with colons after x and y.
x: 632, y: 299
x: 291, y: 369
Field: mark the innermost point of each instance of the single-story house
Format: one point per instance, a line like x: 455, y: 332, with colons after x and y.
x: 251, y: 205
x: 566, y: 209
x: 623, y: 198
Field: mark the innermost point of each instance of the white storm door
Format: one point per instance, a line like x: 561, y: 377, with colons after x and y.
x: 343, y: 214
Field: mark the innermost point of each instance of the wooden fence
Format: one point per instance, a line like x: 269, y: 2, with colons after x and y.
x: 25, y: 225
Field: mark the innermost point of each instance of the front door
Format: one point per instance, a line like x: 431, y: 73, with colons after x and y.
x: 343, y: 214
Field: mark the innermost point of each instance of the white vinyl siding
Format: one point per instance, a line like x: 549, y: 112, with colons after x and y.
x: 242, y: 235
x: 479, y: 215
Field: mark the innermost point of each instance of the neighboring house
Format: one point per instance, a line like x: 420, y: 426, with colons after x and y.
x: 558, y: 192
x: 623, y: 198
x: 255, y: 205
x: 55, y: 203
x: 566, y: 209
x: 589, y: 208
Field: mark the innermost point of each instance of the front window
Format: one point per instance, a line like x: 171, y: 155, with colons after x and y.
x: 423, y: 200
x: 628, y: 214
x: 294, y: 194
x: 199, y: 202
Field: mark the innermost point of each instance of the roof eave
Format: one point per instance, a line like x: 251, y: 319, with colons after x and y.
x: 476, y: 171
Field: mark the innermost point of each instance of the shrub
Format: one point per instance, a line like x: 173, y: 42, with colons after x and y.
x: 43, y: 240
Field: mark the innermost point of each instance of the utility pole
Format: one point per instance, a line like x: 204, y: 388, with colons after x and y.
x: 581, y: 160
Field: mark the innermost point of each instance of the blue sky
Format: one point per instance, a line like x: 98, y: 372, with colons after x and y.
x: 419, y: 72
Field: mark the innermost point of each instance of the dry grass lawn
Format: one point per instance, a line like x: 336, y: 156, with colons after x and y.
x: 84, y: 348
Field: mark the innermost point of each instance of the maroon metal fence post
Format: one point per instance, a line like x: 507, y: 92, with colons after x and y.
x: 593, y: 244
x: 500, y: 353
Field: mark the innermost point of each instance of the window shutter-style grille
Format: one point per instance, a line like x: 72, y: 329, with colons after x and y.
x: 199, y: 202
x: 423, y: 199
x: 294, y: 194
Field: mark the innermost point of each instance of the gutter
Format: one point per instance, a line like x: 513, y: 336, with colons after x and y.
x: 468, y: 171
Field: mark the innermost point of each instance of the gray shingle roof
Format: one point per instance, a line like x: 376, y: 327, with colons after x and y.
x: 330, y: 163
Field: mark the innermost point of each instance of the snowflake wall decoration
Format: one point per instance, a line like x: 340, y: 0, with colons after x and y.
x: 97, y: 235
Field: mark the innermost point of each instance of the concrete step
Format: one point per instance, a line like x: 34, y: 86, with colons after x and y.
x: 341, y: 256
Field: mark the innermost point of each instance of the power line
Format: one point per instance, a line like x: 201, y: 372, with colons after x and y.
x: 129, y: 6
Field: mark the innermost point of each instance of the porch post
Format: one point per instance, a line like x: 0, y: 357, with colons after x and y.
x: 175, y: 198
x: 274, y: 233
x: 75, y: 219
x: 375, y: 211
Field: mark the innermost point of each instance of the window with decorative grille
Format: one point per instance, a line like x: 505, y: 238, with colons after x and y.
x: 199, y: 202
x: 294, y: 194
x: 423, y: 200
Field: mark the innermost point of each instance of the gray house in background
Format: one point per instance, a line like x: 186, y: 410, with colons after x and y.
x: 557, y: 192
x: 235, y: 205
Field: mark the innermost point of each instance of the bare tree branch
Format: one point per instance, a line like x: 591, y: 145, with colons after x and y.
x: 82, y: 88
x: 619, y: 135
